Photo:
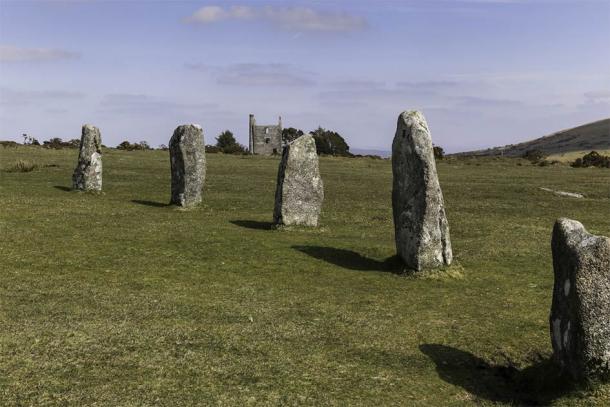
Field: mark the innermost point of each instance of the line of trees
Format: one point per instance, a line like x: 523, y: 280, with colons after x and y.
x: 328, y: 142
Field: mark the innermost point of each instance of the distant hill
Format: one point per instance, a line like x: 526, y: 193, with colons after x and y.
x: 591, y: 136
x: 365, y: 151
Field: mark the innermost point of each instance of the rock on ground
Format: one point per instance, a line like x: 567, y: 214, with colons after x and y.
x: 580, y: 312
x: 87, y: 175
x: 300, y: 191
x: 564, y: 193
x: 420, y: 225
x: 187, y: 159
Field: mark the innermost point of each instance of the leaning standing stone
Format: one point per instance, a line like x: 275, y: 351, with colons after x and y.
x: 88, y: 172
x: 300, y: 191
x: 187, y: 157
x: 580, y: 313
x: 420, y: 225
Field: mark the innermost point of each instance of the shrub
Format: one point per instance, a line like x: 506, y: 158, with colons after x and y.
x: 227, y: 144
x: 58, y: 143
x: 330, y: 142
x: 127, y: 146
x: 439, y: 153
x: 212, y: 149
x: 533, y: 155
x: 593, y: 159
x: 290, y: 134
x: 8, y: 143
x: 22, y: 166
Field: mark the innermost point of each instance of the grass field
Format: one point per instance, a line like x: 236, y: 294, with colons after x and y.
x: 118, y: 299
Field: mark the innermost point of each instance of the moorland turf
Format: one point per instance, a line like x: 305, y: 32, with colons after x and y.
x: 120, y: 299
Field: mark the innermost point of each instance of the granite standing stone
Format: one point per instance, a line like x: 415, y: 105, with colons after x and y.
x: 300, y: 191
x: 88, y: 172
x: 420, y: 224
x: 580, y: 313
x: 187, y: 157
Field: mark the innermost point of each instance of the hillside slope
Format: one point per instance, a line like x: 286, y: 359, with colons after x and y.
x: 591, y: 136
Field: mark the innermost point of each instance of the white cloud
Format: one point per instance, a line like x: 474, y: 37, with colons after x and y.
x: 9, y: 53
x: 287, y: 18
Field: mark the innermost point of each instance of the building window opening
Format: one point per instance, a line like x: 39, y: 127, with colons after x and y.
x: 267, y: 140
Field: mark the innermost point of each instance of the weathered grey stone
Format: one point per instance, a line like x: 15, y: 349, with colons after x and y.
x: 300, y: 191
x: 580, y: 313
x: 88, y: 172
x: 187, y: 158
x: 420, y: 225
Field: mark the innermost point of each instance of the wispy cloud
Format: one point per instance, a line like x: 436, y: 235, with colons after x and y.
x: 286, y: 18
x: 600, y: 96
x: 15, y: 97
x: 484, y: 102
x: 9, y: 53
x: 257, y: 74
x: 139, y: 103
x: 360, y: 84
x: 427, y: 85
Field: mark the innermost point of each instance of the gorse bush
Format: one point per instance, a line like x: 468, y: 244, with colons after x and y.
x: 21, y: 166
x: 593, y: 159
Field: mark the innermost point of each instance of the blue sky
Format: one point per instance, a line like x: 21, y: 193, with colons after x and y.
x: 484, y: 72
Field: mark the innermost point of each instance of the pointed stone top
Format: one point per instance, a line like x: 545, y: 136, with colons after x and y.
x: 89, y: 127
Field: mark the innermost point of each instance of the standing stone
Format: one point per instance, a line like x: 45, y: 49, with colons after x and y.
x: 187, y: 157
x: 580, y: 313
x: 420, y: 224
x: 300, y: 191
x: 88, y: 172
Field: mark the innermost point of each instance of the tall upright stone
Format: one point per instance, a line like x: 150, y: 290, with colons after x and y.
x: 420, y: 225
x: 300, y: 191
x: 87, y: 175
x: 580, y: 313
x: 187, y: 158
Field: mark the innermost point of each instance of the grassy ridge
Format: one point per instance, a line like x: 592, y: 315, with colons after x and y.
x: 587, y: 137
x: 118, y: 299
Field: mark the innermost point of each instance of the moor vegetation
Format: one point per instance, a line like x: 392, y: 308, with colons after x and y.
x: 119, y: 299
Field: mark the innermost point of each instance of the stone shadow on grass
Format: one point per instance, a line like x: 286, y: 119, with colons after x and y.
x: 536, y: 385
x: 254, y: 224
x: 351, y: 260
x: 62, y: 188
x: 150, y: 203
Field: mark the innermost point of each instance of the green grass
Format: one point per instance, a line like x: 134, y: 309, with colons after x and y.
x: 21, y: 166
x: 118, y: 299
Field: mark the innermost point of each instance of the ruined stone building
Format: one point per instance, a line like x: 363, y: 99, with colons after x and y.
x: 265, y: 139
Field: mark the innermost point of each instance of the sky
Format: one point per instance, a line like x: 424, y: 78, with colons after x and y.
x: 483, y: 72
